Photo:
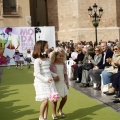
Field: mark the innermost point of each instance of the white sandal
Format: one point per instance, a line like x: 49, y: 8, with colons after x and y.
x: 61, y: 114
x: 54, y: 118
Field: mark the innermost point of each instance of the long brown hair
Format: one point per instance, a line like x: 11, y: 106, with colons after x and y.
x: 39, y: 49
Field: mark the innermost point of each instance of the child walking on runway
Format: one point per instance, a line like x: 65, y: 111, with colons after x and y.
x: 16, y: 57
x: 28, y: 58
x: 8, y: 61
x: 43, y: 77
x: 21, y: 60
x: 58, y: 66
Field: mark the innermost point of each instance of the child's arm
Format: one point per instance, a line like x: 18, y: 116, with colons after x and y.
x: 37, y: 72
x: 55, y: 76
x: 65, y: 75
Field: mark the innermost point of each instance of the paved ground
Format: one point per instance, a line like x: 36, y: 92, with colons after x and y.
x: 89, y: 91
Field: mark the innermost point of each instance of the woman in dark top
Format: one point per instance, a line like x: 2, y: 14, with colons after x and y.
x: 68, y: 53
x: 78, y: 61
x: 80, y: 56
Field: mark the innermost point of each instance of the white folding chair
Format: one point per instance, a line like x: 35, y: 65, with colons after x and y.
x: 69, y: 63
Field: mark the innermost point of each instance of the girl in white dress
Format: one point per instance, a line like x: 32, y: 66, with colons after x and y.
x: 43, y: 77
x: 58, y: 66
x: 21, y: 60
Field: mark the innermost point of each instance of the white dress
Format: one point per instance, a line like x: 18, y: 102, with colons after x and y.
x: 42, y: 73
x: 61, y: 85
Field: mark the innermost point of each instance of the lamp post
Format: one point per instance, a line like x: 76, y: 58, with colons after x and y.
x: 96, y: 17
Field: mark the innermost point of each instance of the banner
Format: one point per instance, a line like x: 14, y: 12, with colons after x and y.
x: 23, y: 38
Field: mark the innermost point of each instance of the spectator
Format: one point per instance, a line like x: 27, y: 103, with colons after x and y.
x: 109, y: 71
x: 97, y: 57
x: 74, y: 54
x: 68, y: 53
x: 79, y: 62
x: 73, y: 57
x: 87, y: 66
x: 71, y: 44
x: 97, y: 70
x: 115, y: 87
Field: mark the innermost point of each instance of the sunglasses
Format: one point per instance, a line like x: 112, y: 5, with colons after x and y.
x: 115, y: 49
x: 96, y: 50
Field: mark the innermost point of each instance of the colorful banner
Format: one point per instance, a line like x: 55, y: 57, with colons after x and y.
x: 22, y: 38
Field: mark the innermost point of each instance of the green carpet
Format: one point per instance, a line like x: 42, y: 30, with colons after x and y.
x: 17, y: 100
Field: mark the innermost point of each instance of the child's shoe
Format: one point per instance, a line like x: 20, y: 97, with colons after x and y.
x: 61, y: 114
x: 54, y: 117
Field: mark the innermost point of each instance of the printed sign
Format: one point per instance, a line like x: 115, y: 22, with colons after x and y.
x: 22, y: 38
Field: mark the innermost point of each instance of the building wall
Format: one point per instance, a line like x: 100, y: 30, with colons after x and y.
x: 41, y: 12
x: 71, y: 19
x: 24, y: 9
x: 118, y: 12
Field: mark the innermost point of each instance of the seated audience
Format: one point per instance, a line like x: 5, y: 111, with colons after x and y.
x: 87, y: 66
x: 97, y: 57
x: 74, y: 55
x: 68, y: 53
x: 78, y: 61
x: 111, y: 70
x: 79, y: 68
x: 97, y: 70
x: 116, y: 87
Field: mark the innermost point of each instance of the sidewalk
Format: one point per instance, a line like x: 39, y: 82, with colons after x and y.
x: 89, y: 91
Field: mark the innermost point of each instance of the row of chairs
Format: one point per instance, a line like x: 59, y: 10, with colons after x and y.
x: 70, y: 62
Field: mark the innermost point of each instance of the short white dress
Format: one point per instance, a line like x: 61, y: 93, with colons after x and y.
x: 61, y: 85
x: 42, y: 73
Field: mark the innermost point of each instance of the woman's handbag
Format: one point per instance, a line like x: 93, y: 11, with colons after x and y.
x: 54, y: 96
x: 87, y: 66
x: 111, y: 69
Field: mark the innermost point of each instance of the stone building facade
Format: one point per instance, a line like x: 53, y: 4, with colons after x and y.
x: 73, y: 22
x: 16, y: 17
x: 70, y: 18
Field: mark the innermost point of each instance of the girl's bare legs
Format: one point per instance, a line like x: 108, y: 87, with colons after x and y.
x: 16, y: 64
x: 62, y: 103
x: 28, y: 64
x: 43, y: 112
x: 54, y: 106
x: 46, y: 111
x: 21, y: 65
